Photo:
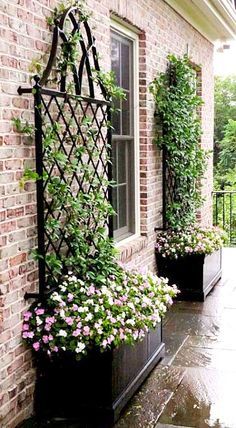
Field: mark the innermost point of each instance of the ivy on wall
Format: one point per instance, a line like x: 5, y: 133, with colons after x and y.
x: 179, y: 135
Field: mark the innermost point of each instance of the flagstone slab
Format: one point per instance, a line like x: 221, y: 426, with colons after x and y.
x: 147, y: 405
x: 205, y: 398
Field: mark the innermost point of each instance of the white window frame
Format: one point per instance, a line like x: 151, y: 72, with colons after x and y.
x: 126, y: 31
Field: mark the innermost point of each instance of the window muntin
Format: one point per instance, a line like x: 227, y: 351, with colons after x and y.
x: 123, y: 139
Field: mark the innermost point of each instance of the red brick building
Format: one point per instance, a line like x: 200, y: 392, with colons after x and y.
x: 133, y: 37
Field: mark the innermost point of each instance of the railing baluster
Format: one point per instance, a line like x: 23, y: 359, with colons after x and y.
x: 224, y: 204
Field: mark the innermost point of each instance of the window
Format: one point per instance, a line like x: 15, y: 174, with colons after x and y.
x: 125, y: 133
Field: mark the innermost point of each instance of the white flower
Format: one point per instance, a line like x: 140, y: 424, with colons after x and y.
x: 131, y: 305
x: 105, y: 290
x: 89, y: 317
x: 38, y: 320
x: 83, y: 309
x: 62, y: 288
x: 62, y: 313
x: 62, y: 333
x: 110, y: 301
x: 80, y: 347
x: 55, y: 297
x: 130, y: 321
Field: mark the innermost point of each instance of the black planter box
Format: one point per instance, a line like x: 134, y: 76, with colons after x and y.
x: 195, y: 275
x: 94, y: 390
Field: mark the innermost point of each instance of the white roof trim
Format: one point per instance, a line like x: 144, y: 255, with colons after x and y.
x: 214, y: 19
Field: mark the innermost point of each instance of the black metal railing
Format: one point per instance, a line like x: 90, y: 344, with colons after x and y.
x: 224, y: 213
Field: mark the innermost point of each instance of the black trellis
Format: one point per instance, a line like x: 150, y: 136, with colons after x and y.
x: 169, y: 189
x: 78, y: 126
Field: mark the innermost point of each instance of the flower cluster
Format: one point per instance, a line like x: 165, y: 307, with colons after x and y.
x: 195, y: 240
x: 81, y: 315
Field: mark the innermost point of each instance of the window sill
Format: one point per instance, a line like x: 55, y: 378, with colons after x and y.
x: 131, y: 246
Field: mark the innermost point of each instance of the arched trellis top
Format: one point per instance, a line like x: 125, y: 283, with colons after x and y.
x: 89, y: 58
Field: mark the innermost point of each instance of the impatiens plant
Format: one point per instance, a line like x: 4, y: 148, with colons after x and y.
x: 82, y: 315
x: 194, y: 240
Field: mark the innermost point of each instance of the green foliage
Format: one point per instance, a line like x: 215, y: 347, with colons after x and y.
x: 63, y: 6
x: 227, y: 156
x: 177, y: 116
x: 225, y: 104
x: 224, y: 133
x: 108, y: 80
x: 92, y: 253
x: 23, y: 127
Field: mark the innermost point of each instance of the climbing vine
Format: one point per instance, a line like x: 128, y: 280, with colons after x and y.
x: 178, y: 135
x: 75, y: 180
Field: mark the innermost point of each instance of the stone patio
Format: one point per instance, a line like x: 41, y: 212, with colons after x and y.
x: 194, y: 385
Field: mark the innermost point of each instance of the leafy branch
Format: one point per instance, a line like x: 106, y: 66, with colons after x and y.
x: 177, y: 108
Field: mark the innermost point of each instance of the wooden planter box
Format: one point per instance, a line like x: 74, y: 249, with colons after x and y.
x: 195, y: 275
x: 96, y: 388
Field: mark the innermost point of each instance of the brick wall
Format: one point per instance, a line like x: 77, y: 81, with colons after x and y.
x: 23, y: 36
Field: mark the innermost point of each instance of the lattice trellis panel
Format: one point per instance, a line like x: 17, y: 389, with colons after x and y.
x: 73, y: 151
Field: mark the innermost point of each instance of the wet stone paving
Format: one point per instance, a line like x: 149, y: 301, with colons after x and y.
x: 195, y: 384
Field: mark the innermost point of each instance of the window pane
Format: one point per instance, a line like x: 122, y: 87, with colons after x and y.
x: 126, y: 115
x: 122, y: 162
x: 114, y: 155
x: 122, y: 209
x: 114, y: 203
x: 123, y: 148
x: 125, y: 66
x: 115, y: 59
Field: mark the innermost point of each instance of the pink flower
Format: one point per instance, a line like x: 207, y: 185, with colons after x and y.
x: 62, y: 304
x: 36, y: 346
x: 104, y: 343
x: 70, y: 297
x: 39, y: 311
x: 55, y: 349
x: 50, y: 320
x: 69, y: 320
x: 50, y: 337
x: 91, y: 290
x: 27, y: 315
x: 86, y: 330
x: 76, y: 332
x: 48, y: 327
x: 28, y: 334
x: 118, y: 302
x: 25, y: 327
x: 122, y: 336
x: 110, y: 339
x: 45, y: 339
x: 75, y: 307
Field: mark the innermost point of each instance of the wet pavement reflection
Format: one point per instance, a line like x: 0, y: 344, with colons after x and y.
x: 195, y: 384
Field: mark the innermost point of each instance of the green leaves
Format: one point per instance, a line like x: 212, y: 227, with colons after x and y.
x: 177, y: 106
x: 23, y: 127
